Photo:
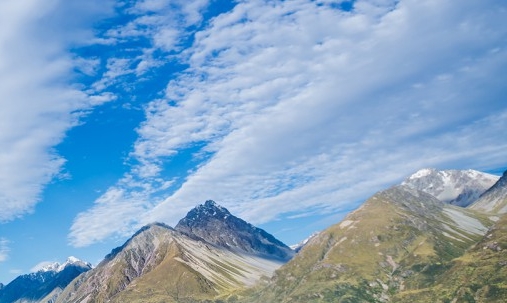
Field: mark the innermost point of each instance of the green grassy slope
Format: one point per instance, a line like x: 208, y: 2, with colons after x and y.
x: 479, y: 276
x: 399, y: 240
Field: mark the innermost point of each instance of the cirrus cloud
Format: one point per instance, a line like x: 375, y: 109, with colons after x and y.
x: 38, y: 100
x: 300, y: 105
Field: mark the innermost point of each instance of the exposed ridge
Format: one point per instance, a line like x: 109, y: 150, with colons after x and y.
x: 210, y: 252
x: 216, y: 225
x: 494, y: 200
x: 116, y: 250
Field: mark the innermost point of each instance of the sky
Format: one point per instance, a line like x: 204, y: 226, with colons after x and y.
x: 118, y: 113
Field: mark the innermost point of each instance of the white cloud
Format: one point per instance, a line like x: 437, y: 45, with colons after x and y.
x: 162, y: 23
x: 306, y: 106
x: 167, y: 39
x: 115, y: 205
x: 4, y: 249
x: 121, y: 205
x: 38, y: 103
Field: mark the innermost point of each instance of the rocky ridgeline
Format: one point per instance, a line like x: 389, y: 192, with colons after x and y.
x: 209, y: 253
x: 410, y: 243
x: 217, y: 226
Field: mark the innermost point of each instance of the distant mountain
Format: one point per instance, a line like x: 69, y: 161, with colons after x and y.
x: 50, y: 280
x: 185, y: 264
x: 494, y: 200
x: 301, y: 244
x: 399, y: 240
x: 456, y: 187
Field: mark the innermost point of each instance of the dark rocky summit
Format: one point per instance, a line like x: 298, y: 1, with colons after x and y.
x: 218, y: 226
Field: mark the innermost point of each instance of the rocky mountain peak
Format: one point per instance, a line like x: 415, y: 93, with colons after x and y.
x: 57, y: 267
x: 423, y: 173
x: 206, y: 215
x: 73, y: 261
x: 210, y: 209
x: 208, y: 252
x: 216, y: 225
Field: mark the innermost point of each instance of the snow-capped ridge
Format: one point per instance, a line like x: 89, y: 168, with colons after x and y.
x: 44, y: 283
x: 297, y: 247
x: 50, y: 267
x: 73, y: 261
x: 422, y: 173
x: 58, y: 267
x: 456, y: 187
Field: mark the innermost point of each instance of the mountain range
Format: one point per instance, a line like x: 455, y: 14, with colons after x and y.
x: 44, y: 285
x: 403, y: 245
x: 439, y: 236
x: 456, y: 187
x: 210, y: 253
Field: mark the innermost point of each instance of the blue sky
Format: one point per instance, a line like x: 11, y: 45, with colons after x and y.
x: 116, y: 113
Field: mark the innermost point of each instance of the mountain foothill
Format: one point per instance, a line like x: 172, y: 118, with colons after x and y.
x: 439, y: 236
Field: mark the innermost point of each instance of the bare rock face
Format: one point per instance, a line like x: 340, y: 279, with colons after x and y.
x: 494, y: 200
x: 217, y: 226
x: 456, y: 187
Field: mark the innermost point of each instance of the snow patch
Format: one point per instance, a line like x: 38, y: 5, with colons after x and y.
x: 73, y: 259
x: 46, y: 266
x: 421, y: 173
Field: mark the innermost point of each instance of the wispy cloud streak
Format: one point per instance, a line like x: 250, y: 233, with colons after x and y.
x: 162, y: 27
x: 38, y: 100
x: 300, y: 105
